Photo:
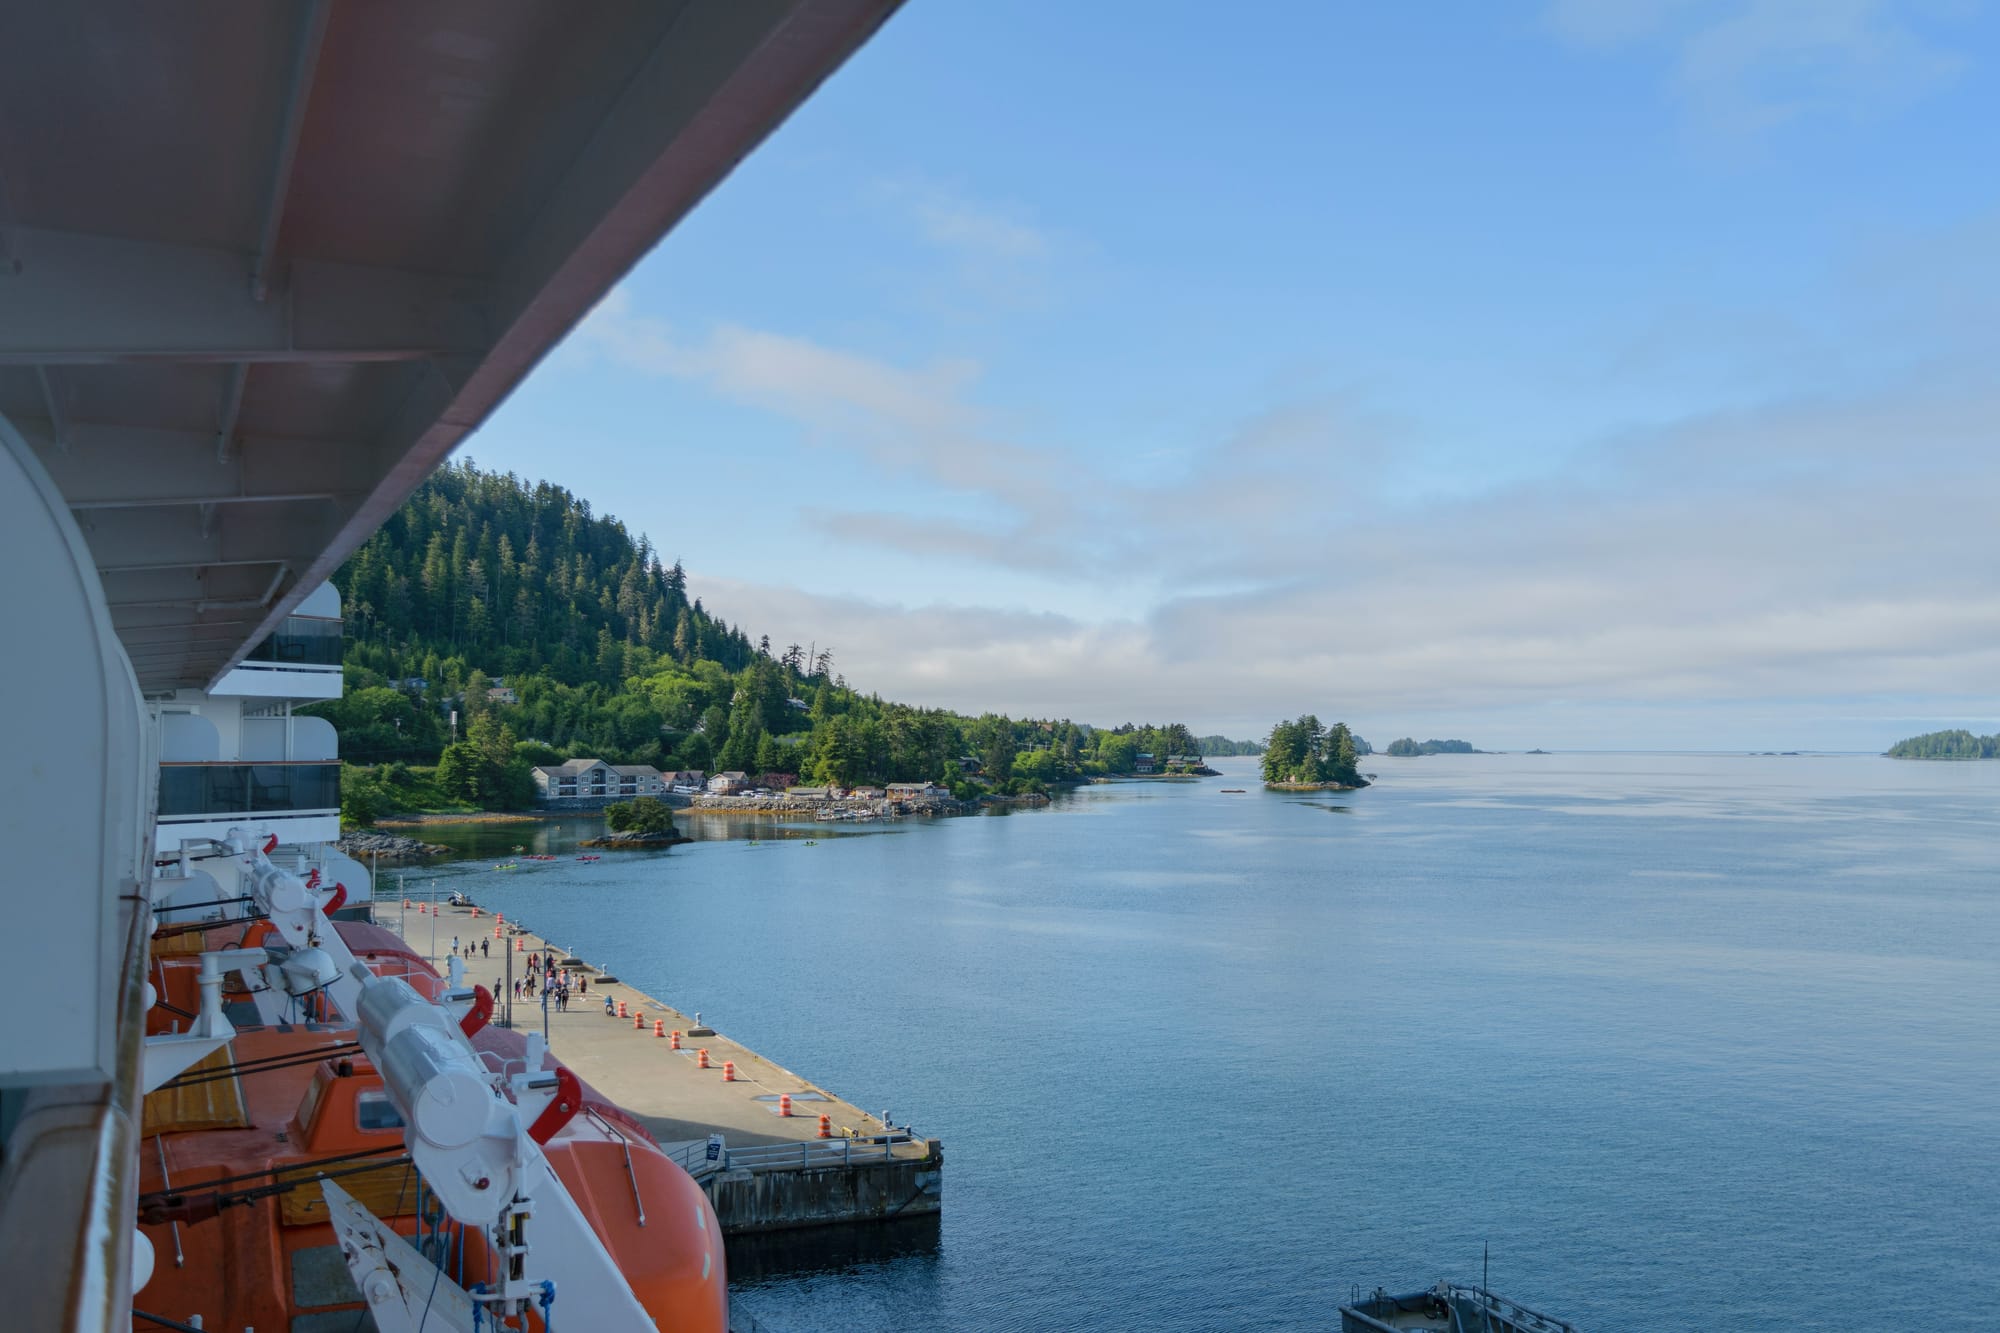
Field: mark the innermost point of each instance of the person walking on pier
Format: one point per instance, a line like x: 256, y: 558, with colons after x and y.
x: 484, y: 951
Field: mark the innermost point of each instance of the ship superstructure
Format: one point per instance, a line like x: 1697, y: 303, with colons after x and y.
x: 262, y: 266
x: 239, y: 758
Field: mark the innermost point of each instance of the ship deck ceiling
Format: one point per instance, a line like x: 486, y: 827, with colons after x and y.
x: 262, y: 266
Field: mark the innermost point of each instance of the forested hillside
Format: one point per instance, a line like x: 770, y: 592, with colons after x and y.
x: 554, y: 633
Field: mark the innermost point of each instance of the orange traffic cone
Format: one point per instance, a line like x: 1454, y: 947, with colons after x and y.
x: 701, y: 1058
x: 659, y: 1027
x: 785, y: 1104
x: 728, y: 1071
x: 676, y: 1040
x: 638, y: 1021
x: 826, y: 1127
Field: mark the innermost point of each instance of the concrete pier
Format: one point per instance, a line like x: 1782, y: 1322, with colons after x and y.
x: 774, y: 1173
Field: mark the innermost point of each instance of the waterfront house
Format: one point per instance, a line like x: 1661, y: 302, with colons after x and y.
x: 685, y: 777
x: 917, y: 791
x: 575, y: 779
x: 639, y: 780
x: 865, y: 793
x: 810, y: 793
x: 1145, y: 763
x: 728, y: 784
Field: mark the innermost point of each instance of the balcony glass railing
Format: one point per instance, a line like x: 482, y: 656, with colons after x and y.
x: 300, y: 641
x: 248, y: 789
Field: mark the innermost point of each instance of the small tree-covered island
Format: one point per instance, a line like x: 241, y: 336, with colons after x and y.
x: 1408, y: 747
x: 1959, y: 744
x: 1302, y: 755
x: 643, y: 822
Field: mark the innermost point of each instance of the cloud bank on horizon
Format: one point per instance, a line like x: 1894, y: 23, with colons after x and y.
x: 1701, y: 452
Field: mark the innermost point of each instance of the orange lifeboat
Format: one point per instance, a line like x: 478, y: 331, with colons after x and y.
x: 232, y: 1152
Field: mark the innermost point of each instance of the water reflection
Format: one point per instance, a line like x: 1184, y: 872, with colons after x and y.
x: 838, y: 1249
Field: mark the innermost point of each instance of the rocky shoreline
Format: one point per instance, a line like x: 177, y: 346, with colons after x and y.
x: 636, y: 841
x: 785, y: 807
x: 362, y: 845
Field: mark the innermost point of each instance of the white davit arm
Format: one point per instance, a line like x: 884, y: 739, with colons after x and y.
x: 318, y: 959
x: 481, y: 1154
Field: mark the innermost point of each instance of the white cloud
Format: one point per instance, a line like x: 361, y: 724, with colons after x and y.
x: 1744, y: 67
x: 1820, y: 553
x: 1837, y: 552
x: 916, y: 420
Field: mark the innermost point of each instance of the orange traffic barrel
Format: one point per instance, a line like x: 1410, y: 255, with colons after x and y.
x: 785, y: 1104
x: 701, y: 1058
x: 621, y: 1009
x: 728, y: 1071
x: 677, y: 1039
x: 659, y: 1027
x: 826, y: 1126
x: 638, y: 1020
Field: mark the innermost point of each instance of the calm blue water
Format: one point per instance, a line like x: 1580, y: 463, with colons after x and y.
x: 1694, y: 1042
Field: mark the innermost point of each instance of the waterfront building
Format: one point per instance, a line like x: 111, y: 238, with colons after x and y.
x: 728, y: 784
x: 595, y: 780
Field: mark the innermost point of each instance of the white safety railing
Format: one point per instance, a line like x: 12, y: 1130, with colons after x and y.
x: 694, y: 1159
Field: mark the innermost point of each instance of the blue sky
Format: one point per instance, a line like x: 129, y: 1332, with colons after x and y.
x: 1599, y: 373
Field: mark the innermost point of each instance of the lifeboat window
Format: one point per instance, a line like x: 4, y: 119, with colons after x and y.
x: 375, y: 1112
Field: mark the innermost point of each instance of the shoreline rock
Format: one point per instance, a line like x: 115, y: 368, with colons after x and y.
x: 362, y: 845
x: 629, y: 841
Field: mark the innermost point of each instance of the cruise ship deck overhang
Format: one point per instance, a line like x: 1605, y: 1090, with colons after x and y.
x: 263, y: 265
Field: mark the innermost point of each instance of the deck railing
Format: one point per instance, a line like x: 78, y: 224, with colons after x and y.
x: 249, y: 789
x: 693, y: 1158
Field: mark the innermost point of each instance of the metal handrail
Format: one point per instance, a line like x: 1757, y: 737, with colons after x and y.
x: 626, y: 1144
x: 1517, y: 1312
x: 810, y: 1152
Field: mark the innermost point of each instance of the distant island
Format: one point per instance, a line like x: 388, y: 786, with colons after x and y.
x: 1960, y: 744
x: 1407, y: 748
x: 1222, y: 745
x: 1303, y: 755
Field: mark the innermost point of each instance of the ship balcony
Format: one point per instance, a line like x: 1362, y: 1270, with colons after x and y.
x: 300, y: 660
x: 205, y: 791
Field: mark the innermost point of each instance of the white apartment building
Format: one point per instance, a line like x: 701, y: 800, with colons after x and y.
x: 595, y: 780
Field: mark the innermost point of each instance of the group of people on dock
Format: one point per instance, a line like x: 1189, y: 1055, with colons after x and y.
x: 554, y: 984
